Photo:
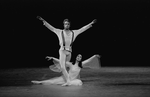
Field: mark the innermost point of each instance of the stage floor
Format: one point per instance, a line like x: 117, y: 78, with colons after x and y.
x: 106, y: 82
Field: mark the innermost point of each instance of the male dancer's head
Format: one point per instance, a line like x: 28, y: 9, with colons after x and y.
x: 66, y: 24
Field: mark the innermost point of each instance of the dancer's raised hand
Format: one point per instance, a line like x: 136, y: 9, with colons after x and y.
x: 38, y: 17
x: 49, y: 58
x: 98, y: 55
x: 94, y: 21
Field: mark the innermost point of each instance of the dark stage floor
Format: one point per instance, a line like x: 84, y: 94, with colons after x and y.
x: 106, y: 82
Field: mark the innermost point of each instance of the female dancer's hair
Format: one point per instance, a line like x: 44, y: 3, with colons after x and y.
x: 79, y: 60
x: 80, y: 64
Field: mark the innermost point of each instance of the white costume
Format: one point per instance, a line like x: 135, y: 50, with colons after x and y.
x: 74, y: 71
x: 65, y: 48
x: 65, y: 42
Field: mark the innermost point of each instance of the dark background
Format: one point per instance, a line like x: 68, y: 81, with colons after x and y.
x: 120, y: 35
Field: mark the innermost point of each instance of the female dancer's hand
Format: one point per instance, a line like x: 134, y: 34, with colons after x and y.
x: 49, y: 58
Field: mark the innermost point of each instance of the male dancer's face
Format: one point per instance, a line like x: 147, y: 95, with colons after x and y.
x: 66, y: 25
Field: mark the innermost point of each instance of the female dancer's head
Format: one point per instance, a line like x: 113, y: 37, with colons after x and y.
x: 79, y: 57
x: 79, y: 60
x: 66, y: 24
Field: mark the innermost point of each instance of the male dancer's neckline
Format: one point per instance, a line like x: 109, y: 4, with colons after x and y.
x: 67, y: 32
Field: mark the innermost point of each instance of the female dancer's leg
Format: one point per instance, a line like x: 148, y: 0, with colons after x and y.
x: 56, y: 80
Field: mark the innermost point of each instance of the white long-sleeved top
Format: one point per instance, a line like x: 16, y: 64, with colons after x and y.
x: 68, y: 38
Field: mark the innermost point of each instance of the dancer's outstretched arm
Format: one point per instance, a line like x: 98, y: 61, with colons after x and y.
x: 50, y: 27
x: 68, y: 64
x: 86, y: 63
x: 49, y: 58
x: 84, y: 28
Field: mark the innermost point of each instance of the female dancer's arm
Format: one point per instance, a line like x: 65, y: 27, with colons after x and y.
x: 49, y: 58
x: 56, y: 67
x: 92, y: 62
x: 88, y: 60
x: 68, y: 64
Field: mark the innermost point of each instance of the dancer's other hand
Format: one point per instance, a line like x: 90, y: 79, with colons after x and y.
x: 49, y: 58
x: 38, y: 17
x: 94, y: 21
x: 97, y: 55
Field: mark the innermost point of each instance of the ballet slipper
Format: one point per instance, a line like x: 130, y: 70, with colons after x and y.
x: 36, y: 82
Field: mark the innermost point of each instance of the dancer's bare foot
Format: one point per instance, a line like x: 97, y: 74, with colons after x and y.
x: 36, y: 82
x: 65, y: 84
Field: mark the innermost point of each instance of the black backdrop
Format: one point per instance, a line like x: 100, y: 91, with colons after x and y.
x: 120, y: 34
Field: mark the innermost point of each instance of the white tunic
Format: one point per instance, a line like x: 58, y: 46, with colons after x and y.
x: 68, y: 38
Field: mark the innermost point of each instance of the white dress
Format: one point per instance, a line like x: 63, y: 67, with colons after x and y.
x: 74, y: 71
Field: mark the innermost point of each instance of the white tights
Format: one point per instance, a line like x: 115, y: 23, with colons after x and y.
x: 63, y: 55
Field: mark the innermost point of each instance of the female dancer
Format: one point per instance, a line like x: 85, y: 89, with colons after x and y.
x: 74, y: 71
x: 66, y: 38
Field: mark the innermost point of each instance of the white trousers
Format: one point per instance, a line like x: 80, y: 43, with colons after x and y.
x: 63, y: 57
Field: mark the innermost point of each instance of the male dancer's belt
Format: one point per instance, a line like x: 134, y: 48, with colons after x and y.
x: 69, y: 49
